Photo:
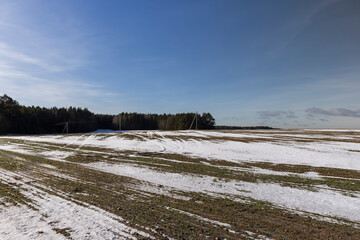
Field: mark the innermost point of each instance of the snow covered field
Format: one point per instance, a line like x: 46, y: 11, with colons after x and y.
x: 181, y: 184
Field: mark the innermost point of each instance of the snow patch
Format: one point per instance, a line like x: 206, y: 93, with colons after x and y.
x: 324, y: 201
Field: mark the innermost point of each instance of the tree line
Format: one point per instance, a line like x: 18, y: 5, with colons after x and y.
x: 19, y: 119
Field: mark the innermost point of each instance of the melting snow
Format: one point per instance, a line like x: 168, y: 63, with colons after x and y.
x: 324, y: 201
x: 319, y: 154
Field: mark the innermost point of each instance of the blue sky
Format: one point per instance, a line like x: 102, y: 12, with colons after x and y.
x: 288, y: 64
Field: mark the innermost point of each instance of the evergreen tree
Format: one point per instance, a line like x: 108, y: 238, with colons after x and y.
x: 15, y: 118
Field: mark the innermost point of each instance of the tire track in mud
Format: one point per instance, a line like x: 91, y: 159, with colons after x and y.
x: 73, y: 141
x: 86, y: 141
x: 174, y: 145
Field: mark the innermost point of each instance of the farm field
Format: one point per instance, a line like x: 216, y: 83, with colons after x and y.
x: 273, y: 184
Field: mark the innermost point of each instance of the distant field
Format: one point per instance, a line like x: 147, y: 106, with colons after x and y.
x: 231, y: 184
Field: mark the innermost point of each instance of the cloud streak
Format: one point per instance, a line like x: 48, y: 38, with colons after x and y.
x: 335, y: 112
x: 40, y: 70
x: 297, y: 25
x: 35, y: 80
x: 277, y: 114
x: 5, y: 51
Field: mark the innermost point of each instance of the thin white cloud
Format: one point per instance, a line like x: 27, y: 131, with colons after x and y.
x: 7, y: 52
x: 36, y: 68
x: 22, y: 82
x: 50, y: 93
x: 296, y: 26
x: 55, y: 61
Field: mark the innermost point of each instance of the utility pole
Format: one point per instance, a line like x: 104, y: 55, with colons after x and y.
x: 66, y: 128
x: 194, y: 119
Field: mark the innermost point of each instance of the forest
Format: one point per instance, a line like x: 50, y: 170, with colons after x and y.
x: 19, y: 119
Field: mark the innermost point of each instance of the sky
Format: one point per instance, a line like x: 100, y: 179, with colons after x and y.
x: 286, y: 64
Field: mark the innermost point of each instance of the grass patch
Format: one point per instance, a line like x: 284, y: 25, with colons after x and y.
x: 63, y: 231
x: 10, y: 195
